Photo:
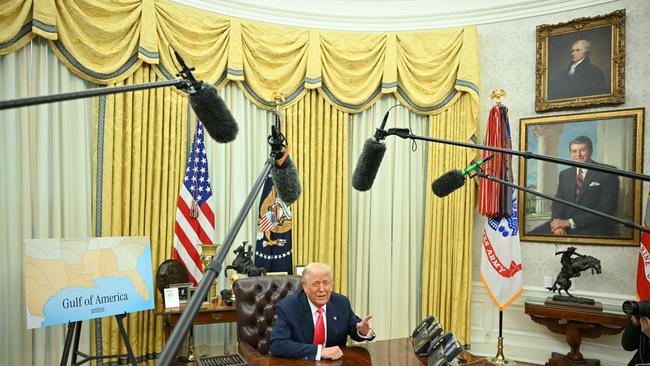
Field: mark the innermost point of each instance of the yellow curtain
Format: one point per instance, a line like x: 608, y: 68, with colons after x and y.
x: 106, y: 42
x: 447, y: 263
x: 319, y: 143
x: 139, y: 165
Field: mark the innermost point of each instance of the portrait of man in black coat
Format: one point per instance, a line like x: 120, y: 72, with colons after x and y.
x: 585, y: 187
x: 580, y: 78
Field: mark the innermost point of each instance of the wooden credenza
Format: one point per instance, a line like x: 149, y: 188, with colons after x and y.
x: 575, y: 322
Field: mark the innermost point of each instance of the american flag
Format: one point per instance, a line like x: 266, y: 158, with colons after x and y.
x: 194, y: 210
x: 266, y: 222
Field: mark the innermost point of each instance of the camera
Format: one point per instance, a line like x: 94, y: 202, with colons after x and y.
x: 638, y: 308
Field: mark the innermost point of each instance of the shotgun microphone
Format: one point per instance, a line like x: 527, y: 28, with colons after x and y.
x: 208, y: 106
x: 371, y: 156
x: 454, y: 179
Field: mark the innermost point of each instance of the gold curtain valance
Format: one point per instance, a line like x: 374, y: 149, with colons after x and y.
x: 105, y: 43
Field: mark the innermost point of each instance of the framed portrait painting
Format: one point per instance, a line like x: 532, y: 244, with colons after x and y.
x: 611, y: 139
x: 581, y: 63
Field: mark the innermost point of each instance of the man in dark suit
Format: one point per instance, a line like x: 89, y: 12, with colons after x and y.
x: 581, y: 78
x: 315, y: 322
x: 588, y: 188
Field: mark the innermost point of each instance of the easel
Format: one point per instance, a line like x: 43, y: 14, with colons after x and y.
x: 75, y: 327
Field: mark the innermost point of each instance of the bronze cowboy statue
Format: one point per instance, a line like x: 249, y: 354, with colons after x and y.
x: 573, y: 264
x: 243, y: 263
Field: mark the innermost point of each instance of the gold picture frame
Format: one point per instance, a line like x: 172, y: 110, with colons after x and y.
x: 617, y: 140
x: 565, y: 79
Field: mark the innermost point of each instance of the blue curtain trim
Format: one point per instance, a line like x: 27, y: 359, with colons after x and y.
x: 148, y: 53
x: 467, y: 84
x: 389, y: 85
x: 235, y: 72
x: 44, y: 27
x: 27, y: 28
x: 313, y: 80
x: 164, y: 71
x: 100, y: 165
x: 129, y: 63
x: 348, y: 105
x: 408, y: 100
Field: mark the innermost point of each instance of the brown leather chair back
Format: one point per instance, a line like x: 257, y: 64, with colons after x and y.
x: 256, y: 299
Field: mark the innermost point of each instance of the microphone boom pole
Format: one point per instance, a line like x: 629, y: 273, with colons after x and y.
x: 180, y: 329
x: 24, y: 102
x: 480, y: 173
x: 405, y: 133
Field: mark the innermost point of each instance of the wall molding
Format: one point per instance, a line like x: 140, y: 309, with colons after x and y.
x: 386, y: 15
x: 527, y: 341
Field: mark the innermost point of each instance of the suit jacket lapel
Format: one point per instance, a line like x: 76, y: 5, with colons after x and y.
x: 332, y: 318
x: 306, y: 318
x: 573, y: 181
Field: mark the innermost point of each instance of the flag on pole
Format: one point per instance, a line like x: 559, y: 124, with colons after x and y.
x: 194, y: 209
x: 494, y: 198
x: 273, y: 249
x: 501, y: 268
x: 643, y: 267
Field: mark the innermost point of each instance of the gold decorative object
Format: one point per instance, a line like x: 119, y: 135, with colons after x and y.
x: 208, y: 252
x: 498, y: 94
x: 233, y: 277
x: 499, y: 359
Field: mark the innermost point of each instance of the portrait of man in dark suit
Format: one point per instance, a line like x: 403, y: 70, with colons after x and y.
x: 315, y: 322
x: 585, y: 187
x: 580, y: 77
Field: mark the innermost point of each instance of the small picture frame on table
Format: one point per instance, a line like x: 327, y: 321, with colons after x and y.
x: 192, y: 292
x: 183, y: 291
x: 299, y: 269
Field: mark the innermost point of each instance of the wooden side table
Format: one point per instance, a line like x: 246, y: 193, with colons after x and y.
x: 215, y: 312
x: 575, y: 322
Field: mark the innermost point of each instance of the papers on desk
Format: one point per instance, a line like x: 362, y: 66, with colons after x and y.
x: 171, y: 298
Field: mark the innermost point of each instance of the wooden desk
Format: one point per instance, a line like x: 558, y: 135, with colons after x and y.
x: 575, y: 323
x: 208, y: 314
x: 387, y: 352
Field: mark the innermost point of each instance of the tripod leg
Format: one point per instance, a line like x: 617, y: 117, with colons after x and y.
x: 66, y: 345
x: 75, y: 346
x: 125, y: 338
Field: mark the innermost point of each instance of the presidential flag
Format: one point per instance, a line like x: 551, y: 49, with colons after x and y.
x: 273, y: 248
x: 194, y: 210
x: 501, y: 268
x: 643, y: 267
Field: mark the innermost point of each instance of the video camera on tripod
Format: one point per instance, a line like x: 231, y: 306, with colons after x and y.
x: 637, y: 308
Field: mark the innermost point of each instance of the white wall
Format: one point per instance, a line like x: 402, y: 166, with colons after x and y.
x: 508, y: 52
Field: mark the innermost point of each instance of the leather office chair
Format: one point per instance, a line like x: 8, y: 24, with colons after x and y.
x: 256, y: 299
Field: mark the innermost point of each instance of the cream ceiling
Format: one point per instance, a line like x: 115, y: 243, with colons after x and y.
x: 386, y: 15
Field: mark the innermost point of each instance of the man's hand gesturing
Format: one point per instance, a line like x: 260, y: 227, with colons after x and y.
x: 364, y: 327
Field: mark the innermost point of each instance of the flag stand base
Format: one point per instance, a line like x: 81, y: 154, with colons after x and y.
x: 500, y: 359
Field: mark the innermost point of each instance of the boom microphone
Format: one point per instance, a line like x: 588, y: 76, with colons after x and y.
x: 454, y: 179
x: 283, y: 172
x: 208, y: 106
x: 370, y: 159
x: 213, y: 113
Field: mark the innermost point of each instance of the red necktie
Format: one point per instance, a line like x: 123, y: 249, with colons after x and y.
x: 579, y: 181
x: 319, y: 328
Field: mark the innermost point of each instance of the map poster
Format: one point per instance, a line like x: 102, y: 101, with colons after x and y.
x: 68, y: 280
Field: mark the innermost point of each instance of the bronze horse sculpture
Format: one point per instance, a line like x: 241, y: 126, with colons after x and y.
x: 243, y: 263
x: 573, y: 264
